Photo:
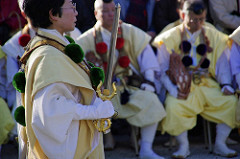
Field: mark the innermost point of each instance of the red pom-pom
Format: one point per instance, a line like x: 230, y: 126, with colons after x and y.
x: 101, y: 48
x: 119, y: 43
x: 124, y: 61
x: 24, y: 39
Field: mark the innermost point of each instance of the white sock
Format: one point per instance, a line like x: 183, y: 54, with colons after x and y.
x: 183, y: 149
x: 147, y: 137
x: 223, y: 132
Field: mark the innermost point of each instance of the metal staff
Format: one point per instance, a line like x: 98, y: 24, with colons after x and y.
x: 101, y: 124
x: 108, y: 81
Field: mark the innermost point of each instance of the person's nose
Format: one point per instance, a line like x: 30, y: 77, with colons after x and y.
x: 76, y: 13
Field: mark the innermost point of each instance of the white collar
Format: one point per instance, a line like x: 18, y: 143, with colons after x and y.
x: 105, y: 31
x: 32, y: 32
x: 55, y: 33
x: 193, y: 36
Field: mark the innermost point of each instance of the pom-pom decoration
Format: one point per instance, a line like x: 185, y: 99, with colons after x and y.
x: 24, y: 39
x: 101, y: 48
x: 124, y: 97
x: 124, y: 61
x: 96, y: 75
x: 187, y: 61
x: 185, y: 46
x: 19, y: 115
x: 75, y: 52
x: 201, y: 49
x: 90, y: 64
x: 70, y: 39
x: 119, y: 43
x: 205, y: 63
x: 19, y: 82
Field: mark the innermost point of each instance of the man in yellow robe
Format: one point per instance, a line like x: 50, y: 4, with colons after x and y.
x: 202, y: 53
x: 156, y: 43
x: 176, y: 23
x: 133, y: 55
x: 60, y: 102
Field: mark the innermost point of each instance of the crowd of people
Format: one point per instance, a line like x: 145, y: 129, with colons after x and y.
x: 174, y: 60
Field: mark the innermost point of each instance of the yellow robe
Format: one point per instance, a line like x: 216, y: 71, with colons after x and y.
x: 48, y: 65
x: 144, y: 107
x: 206, y: 98
x: 2, y: 54
x: 172, y: 25
x: 6, y: 121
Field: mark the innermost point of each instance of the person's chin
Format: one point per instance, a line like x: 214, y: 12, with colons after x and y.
x: 73, y: 27
x: 69, y: 30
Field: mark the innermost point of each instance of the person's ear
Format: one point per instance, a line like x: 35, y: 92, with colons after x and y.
x: 52, y: 17
x: 182, y: 15
x: 96, y: 14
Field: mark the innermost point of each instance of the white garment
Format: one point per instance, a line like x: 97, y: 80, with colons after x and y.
x: 147, y: 60
x: 235, y: 63
x: 221, y: 14
x: 13, y: 49
x: 56, y: 115
x: 192, y: 38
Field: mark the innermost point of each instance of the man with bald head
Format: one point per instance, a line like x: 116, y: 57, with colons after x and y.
x: 136, y: 102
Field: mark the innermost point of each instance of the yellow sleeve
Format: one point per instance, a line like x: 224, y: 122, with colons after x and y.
x: 2, y: 54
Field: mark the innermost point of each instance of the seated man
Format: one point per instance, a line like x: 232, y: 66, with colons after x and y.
x: 6, y: 119
x: 134, y: 54
x: 177, y: 22
x: 156, y: 44
x: 193, y: 62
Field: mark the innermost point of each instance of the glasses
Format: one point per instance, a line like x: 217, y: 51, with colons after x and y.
x: 73, y: 7
x: 195, y: 20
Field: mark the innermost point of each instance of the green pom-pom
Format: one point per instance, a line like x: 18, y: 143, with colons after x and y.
x: 70, y: 39
x: 19, y: 82
x: 75, y: 52
x: 19, y: 115
x: 97, y: 75
x: 91, y: 64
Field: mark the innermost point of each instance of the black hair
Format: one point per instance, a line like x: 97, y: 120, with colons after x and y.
x: 197, y: 7
x: 107, y: 1
x: 38, y: 11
